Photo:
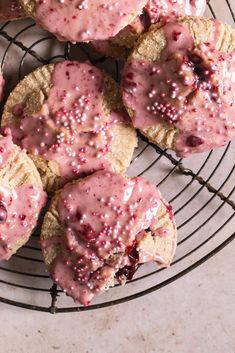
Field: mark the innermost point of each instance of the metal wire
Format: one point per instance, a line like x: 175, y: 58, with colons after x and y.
x: 203, y: 199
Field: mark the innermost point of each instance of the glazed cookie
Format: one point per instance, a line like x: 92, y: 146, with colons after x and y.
x: 70, y: 118
x: 10, y: 10
x: 179, y: 85
x: 21, y: 197
x: 94, y: 234
x: 83, y: 20
x: 121, y: 45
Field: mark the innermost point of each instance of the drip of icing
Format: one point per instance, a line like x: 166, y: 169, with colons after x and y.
x: 86, y: 20
x: 191, y: 88
x: 72, y: 128
x: 19, y: 211
x: 10, y: 9
x: 101, y: 225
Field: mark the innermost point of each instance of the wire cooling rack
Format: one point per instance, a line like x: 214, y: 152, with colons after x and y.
x: 201, y: 188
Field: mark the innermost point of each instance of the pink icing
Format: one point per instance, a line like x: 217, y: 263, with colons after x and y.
x: 192, y: 88
x: 19, y: 207
x: 164, y: 8
x: 76, y: 96
x: 71, y: 128
x: 6, y: 146
x: 103, y: 216
x: 85, y: 20
x: 19, y: 211
x: 10, y: 9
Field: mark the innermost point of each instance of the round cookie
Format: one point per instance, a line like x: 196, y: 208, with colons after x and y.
x: 92, y: 234
x: 121, y: 45
x: 83, y: 21
x: 178, y: 85
x: 21, y: 197
x: 70, y: 118
x: 10, y: 10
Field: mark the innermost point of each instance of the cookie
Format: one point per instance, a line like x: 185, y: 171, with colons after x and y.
x: 83, y: 21
x: 21, y: 197
x: 70, y: 118
x: 10, y: 10
x: 121, y: 45
x: 93, y: 234
x: 178, y: 85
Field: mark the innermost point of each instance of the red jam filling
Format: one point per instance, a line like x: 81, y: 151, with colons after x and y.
x: 3, y: 213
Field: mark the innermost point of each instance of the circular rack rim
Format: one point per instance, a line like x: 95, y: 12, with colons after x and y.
x: 177, y: 166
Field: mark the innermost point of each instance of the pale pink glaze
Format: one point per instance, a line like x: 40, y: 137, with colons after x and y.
x: 10, y: 9
x: 192, y: 88
x: 19, y: 207
x: 76, y: 96
x: 74, y: 105
x: 6, y: 146
x: 103, y: 219
x: 19, y: 211
x: 85, y: 20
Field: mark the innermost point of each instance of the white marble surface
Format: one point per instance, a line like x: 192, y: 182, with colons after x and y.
x: 194, y: 314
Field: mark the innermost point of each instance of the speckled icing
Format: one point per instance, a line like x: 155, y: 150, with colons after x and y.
x: 191, y: 88
x: 19, y: 206
x: 103, y: 218
x: 85, y: 20
x: 72, y: 127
